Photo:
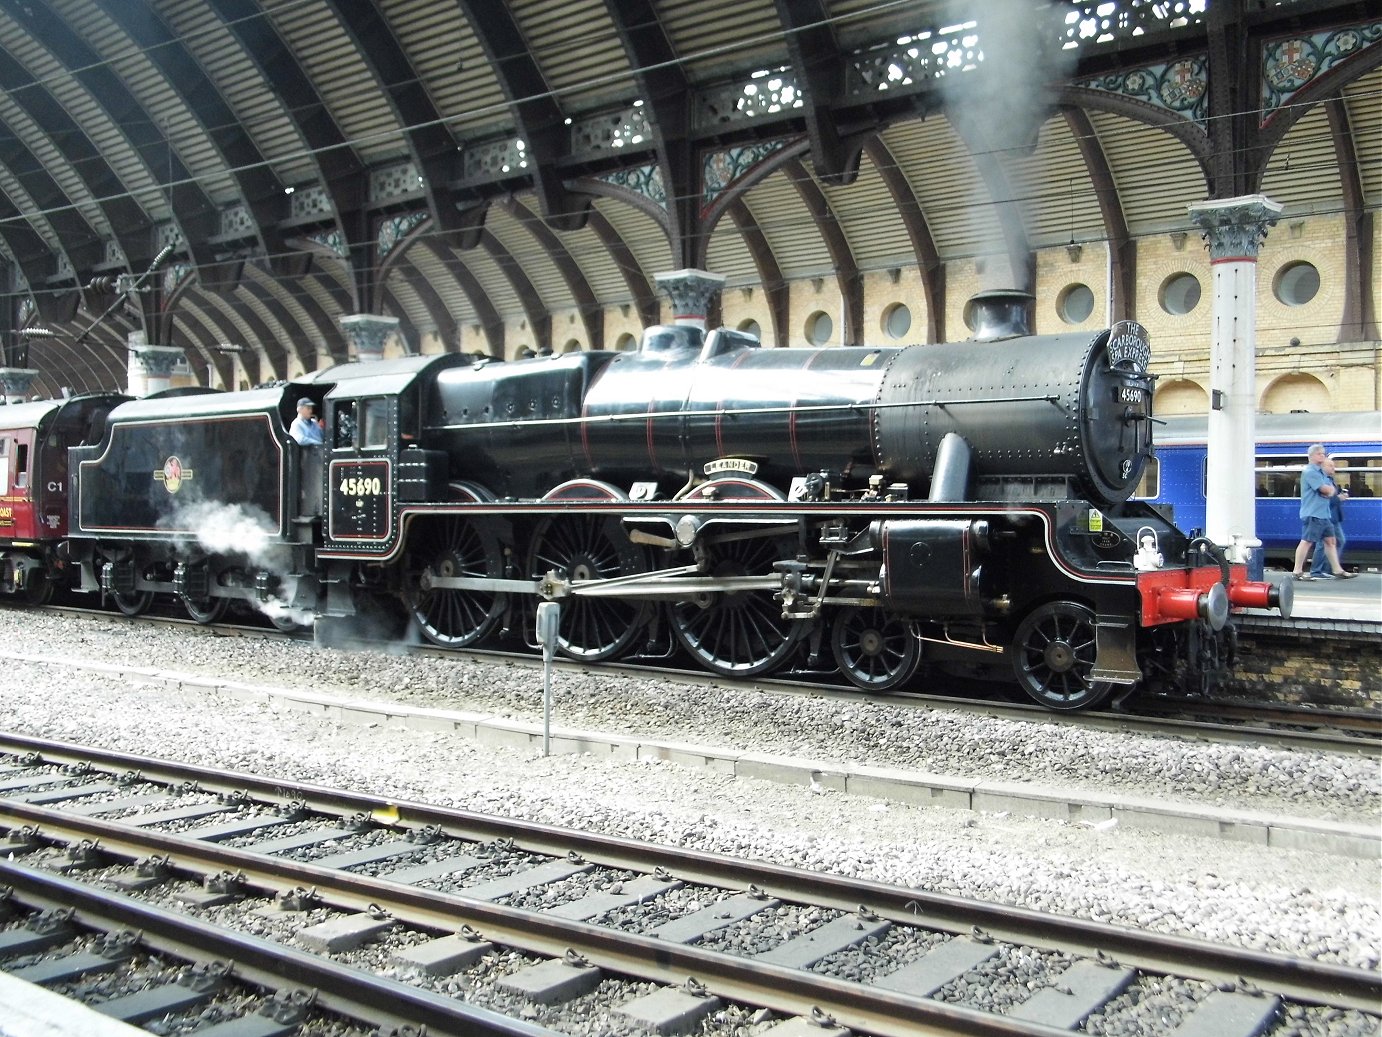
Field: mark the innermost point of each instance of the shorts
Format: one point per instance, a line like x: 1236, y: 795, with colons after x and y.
x: 1316, y: 529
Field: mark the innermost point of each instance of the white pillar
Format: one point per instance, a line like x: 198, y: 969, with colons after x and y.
x: 1233, y: 230
x: 691, y: 292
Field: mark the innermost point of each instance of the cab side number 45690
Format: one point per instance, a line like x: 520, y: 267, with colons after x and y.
x: 359, y: 486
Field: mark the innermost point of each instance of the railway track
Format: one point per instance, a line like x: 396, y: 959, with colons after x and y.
x: 1278, y: 725
x: 538, y: 921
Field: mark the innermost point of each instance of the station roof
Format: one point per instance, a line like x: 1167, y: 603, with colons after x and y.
x: 524, y: 168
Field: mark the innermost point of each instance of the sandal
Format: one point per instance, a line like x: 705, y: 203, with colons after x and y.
x: 1303, y: 577
x: 1345, y: 575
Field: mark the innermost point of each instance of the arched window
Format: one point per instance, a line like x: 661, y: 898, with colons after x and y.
x: 1296, y: 392
x: 1180, y: 397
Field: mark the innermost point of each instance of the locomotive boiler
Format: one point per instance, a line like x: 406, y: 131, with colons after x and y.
x: 874, y: 512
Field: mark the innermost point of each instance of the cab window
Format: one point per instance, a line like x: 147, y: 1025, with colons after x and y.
x: 21, y: 475
x: 374, y: 423
x: 343, y: 422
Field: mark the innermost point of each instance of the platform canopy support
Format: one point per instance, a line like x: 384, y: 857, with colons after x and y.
x: 692, y: 292
x: 1233, y: 231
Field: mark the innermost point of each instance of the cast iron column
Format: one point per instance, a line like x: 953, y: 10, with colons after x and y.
x: 1233, y: 231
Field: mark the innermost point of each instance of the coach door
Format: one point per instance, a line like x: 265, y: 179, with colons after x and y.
x: 360, y: 473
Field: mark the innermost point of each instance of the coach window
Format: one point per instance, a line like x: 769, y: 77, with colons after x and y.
x: 374, y: 423
x: 1279, y: 476
x: 4, y: 466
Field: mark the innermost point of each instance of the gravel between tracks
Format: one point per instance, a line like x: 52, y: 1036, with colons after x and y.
x: 1293, y: 902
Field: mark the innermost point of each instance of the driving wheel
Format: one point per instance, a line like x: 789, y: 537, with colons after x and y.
x: 739, y: 633
x: 590, y: 547
x: 455, y: 548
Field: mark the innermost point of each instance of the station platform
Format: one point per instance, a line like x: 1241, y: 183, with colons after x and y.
x: 1356, y: 601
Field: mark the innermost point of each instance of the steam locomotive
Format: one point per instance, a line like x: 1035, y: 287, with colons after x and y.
x: 877, y: 512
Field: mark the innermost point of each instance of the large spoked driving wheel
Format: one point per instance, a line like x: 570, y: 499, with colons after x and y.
x: 590, y: 548
x: 455, y: 548
x: 1054, y: 654
x: 874, y: 650
x: 739, y: 633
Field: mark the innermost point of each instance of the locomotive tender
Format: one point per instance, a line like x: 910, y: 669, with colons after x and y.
x: 961, y: 507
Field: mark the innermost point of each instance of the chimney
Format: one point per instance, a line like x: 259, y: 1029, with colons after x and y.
x: 1001, y: 313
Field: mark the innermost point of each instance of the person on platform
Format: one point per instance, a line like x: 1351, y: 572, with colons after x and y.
x: 1316, y: 529
x: 1336, y: 518
x: 306, y: 429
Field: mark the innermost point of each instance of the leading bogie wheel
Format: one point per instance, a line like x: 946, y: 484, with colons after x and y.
x: 874, y: 650
x: 1054, y: 652
x: 455, y: 548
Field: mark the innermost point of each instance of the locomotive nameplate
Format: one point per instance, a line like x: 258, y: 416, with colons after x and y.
x: 741, y: 465
x: 361, y: 501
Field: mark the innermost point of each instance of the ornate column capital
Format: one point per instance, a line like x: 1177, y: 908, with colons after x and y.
x: 367, y: 334
x: 15, y: 383
x: 158, y: 361
x: 691, y: 292
x: 1234, y: 229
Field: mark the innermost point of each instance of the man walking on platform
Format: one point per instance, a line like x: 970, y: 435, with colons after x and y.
x: 1316, y: 527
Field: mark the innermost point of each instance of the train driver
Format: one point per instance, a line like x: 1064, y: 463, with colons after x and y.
x: 306, y: 429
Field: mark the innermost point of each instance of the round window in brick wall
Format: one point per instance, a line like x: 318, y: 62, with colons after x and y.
x: 1297, y: 283
x: 819, y: 328
x: 751, y: 327
x: 1075, y: 303
x: 1179, y: 293
x: 897, y: 320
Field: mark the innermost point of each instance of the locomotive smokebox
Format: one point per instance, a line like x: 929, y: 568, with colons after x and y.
x: 1001, y: 313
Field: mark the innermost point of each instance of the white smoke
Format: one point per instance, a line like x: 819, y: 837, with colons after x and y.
x: 242, y: 531
x: 232, y: 530
x: 1000, y: 105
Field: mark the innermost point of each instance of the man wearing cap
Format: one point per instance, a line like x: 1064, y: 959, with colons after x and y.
x: 305, y: 428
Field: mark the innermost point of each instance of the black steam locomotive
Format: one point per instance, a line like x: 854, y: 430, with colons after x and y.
x: 958, y: 507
